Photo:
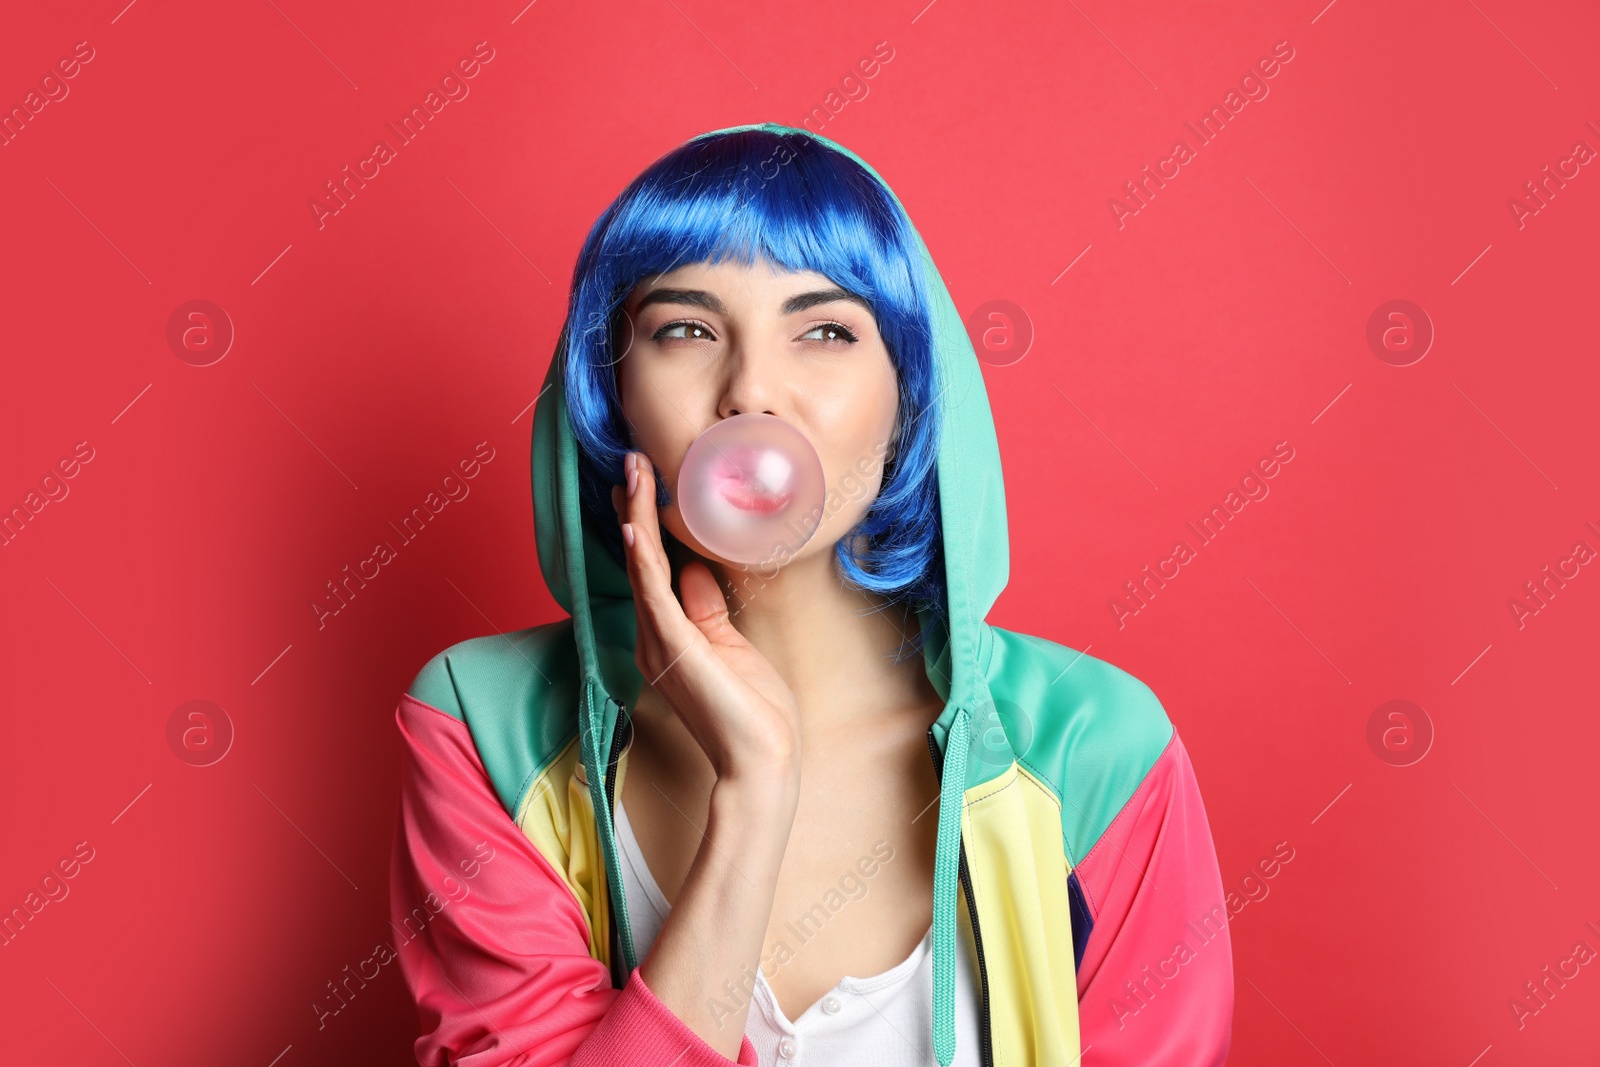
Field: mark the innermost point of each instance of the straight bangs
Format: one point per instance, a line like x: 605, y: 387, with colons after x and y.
x: 786, y: 198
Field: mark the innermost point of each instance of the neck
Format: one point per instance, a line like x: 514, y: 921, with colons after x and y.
x: 836, y: 645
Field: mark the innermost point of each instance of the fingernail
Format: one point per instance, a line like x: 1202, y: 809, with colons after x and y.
x: 627, y: 533
x: 632, y: 462
x: 633, y: 481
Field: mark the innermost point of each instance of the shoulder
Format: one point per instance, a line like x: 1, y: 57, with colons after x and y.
x: 1087, y: 729
x: 516, y: 693
x: 483, y: 671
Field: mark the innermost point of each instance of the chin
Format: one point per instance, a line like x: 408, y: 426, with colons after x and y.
x: 689, y: 547
x: 681, y: 544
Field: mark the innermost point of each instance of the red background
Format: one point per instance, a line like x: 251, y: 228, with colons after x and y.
x: 374, y: 352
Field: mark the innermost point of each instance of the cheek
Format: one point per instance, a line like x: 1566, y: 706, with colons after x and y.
x: 853, y: 487
x: 650, y: 421
x: 627, y: 396
x: 854, y: 464
x: 854, y: 492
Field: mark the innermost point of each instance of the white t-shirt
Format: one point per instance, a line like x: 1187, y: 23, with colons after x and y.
x: 882, y: 1021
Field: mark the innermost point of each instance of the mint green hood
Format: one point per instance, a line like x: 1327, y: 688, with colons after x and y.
x: 977, y: 563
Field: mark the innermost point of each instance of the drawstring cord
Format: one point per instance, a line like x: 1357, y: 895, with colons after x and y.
x: 946, y: 867
x: 597, y: 764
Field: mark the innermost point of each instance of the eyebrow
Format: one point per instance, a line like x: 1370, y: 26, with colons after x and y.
x: 795, y: 304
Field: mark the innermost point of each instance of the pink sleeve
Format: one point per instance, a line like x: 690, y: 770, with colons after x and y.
x: 493, y: 945
x: 1155, y: 986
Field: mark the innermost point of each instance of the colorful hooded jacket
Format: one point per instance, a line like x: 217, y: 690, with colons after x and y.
x: 1070, y: 824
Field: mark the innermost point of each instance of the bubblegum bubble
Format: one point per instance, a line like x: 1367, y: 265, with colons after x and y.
x: 751, y: 489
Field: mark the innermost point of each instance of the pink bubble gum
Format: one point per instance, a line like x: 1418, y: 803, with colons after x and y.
x: 751, y: 489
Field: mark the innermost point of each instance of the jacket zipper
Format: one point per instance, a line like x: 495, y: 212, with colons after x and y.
x: 985, y: 1049
x: 624, y: 726
x: 618, y: 979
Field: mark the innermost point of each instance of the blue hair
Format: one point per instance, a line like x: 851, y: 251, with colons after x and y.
x: 801, y: 205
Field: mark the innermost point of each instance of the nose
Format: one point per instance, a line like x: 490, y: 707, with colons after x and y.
x: 750, y: 383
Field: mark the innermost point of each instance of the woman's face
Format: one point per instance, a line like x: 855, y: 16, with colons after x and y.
x: 710, y: 342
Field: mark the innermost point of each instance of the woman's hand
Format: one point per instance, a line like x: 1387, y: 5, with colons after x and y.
x: 745, y: 718
x: 733, y: 702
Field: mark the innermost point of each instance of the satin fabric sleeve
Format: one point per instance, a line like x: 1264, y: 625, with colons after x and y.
x: 492, y: 943
x: 1155, y: 985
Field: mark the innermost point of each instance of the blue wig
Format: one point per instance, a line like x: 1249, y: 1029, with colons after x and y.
x: 801, y: 205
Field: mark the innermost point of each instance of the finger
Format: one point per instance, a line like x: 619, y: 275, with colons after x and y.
x: 666, y: 631
x: 705, y: 605
x: 647, y: 643
x: 646, y: 521
x: 651, y: 553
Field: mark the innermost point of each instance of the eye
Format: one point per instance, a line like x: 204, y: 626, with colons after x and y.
x: 692, y: 331
x: 831, y: 331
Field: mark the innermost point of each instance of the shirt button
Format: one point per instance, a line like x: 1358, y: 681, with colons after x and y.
x: 787, y: 1047
x: 830, y: 1004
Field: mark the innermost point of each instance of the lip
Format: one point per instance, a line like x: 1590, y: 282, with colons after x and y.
x: 736, y: 483
x: 742, y: 497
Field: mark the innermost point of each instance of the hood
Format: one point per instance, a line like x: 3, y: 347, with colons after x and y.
x: 594, y: 589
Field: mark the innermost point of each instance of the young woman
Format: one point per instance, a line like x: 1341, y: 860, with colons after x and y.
x: 817, y: 813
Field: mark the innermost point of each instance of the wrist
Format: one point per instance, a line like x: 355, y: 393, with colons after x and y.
x: 747, y: 827
x: 751, y: 801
